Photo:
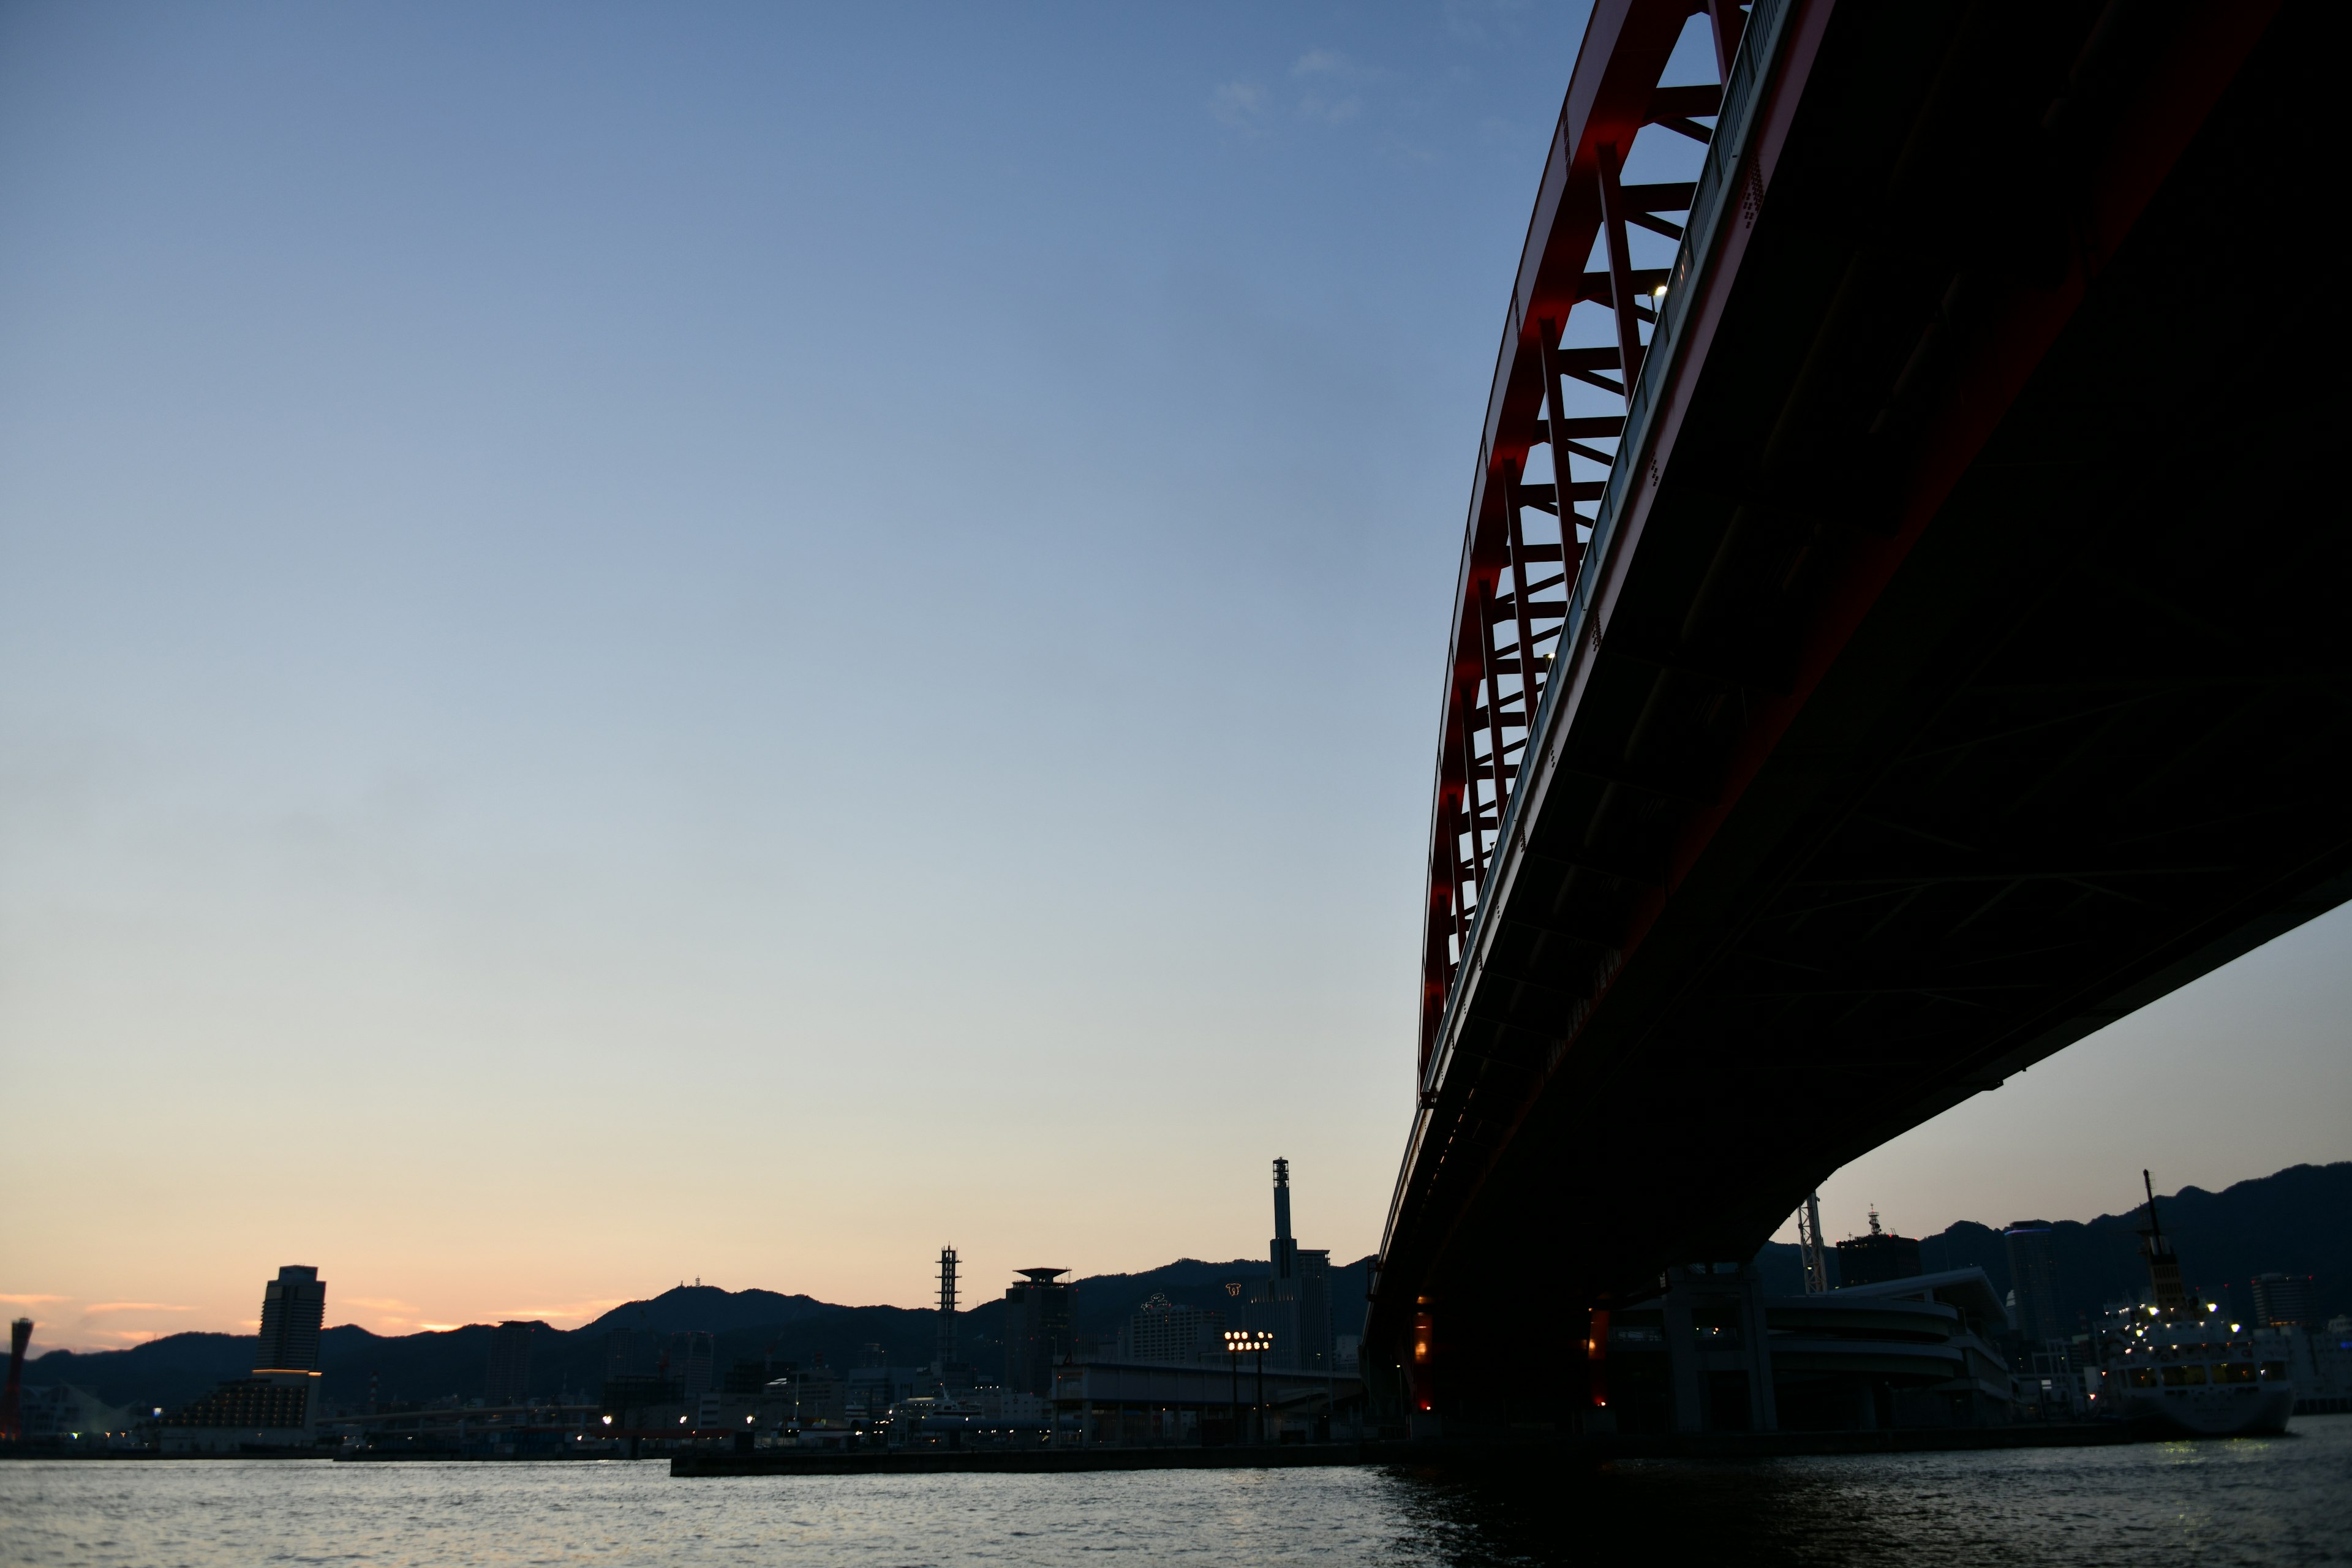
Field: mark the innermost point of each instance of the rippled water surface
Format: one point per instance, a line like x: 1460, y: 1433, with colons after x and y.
x: 2280, y: 1500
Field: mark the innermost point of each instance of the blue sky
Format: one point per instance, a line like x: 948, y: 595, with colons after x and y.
x: 740, y: 641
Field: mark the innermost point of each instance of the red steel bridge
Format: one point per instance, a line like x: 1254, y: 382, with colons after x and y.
x: 1902, y: 625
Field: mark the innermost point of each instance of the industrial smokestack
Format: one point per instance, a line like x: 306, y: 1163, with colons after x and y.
x: 1285, y: 1250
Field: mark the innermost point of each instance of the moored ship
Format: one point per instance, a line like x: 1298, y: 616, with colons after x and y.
x: 2180, y: 1363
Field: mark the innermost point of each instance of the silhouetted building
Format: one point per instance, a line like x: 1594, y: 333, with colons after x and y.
x: 873, y: 1389
x: 62, y: 1412
x: 748, y: 1376
x: 631, y: 1353
x: 1876, y: 1258
x: 255, y: 1404
x: 12, y: 1424
x: 275, y: 1408
x: 293, y: 1308
x: 692, y: 1361
x: 1294, y: 1304
x: 820, y: 1394
x: 1283, y: 1251
x: 1036, y: 1331
x: 2033, y: 1278
x: 2287, y: 1301
x: 627, y: 1397
x: 1163, y: 1331
x: 508, y: 1381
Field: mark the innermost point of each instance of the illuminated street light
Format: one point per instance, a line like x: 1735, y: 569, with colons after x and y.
x: 1236, y: 1341
x: 1250, y: 1342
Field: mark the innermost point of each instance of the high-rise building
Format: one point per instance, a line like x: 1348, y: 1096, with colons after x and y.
x: 2287, y: 1301
x: 275, y: 1406
x: 1036, y: 1331
x: 2033, y: 1277
x: 509, y: 1376
x: 293, y: 1308
x: 1878, y: 1258
x: 1165, y: 1331
x: 12, y: 1421
x: 1294, y: 1304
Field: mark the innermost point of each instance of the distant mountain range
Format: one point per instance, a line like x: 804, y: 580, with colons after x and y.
x: 748, y: 1324
x: 2298, y: 1221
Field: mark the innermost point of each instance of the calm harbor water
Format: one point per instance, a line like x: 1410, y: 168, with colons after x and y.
x: 2281, y: 1501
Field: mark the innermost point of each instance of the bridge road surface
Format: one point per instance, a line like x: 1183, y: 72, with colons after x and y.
x: 1959, y: 659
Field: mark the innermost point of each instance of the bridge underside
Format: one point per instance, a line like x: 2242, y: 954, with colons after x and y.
x: 1982, y: 671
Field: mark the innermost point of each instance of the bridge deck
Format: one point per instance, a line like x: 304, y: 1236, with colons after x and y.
x: 1962, y: 659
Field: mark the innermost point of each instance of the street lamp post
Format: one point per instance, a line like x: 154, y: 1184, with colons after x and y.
x: 1236, y: 1341
x: 1250, y: 1342
x: 1263, y: 1343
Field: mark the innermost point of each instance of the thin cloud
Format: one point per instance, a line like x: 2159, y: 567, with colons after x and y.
x: 1410, y: 155
x: 380, y: 1304
x: 1334, y: 81
x: 1336, y: 66
x: 1330, y: 111
x: 33, y: 1301
x: 1477, y: 21
x: 1239, y: 106
x: 136, y: 1307
x: 580, y: 1310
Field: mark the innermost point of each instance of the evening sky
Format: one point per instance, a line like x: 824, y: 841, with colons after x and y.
x: 647, y: 642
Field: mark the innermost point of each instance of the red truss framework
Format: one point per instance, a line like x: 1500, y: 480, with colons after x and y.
x: 1498, y: 657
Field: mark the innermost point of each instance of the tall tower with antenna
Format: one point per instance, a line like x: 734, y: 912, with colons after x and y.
x: 943, y: 1350
x: 1285, y: 1250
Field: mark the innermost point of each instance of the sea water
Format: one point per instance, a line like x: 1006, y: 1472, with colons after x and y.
x: 2265, y: 1501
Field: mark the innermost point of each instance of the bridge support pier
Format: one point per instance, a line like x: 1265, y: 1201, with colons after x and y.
x: 1699, y: 1297
x: 1682, y: 1354
x: 1756, y: 1349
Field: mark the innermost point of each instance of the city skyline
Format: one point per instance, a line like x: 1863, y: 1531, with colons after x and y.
x: 713, y: 648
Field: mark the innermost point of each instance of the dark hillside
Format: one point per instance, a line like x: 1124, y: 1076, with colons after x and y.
x: 2298, y: 1221
x: 709, y: 1310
